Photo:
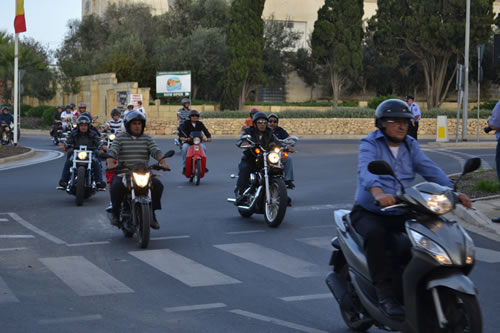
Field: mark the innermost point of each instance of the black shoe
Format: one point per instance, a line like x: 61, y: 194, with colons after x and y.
x: 183, y: 171
x: 109, y: 209
x: 115, y: 220
x: 289, y: 184
x: 154, y: 223
x: 206, y: 170
x: 100, y: 184
x: 388, y: 303
x: 289, y: 202
x: 495, y: 219
x: 63, y: 183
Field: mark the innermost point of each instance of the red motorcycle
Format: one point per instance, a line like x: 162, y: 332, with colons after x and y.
x: 196, y: 160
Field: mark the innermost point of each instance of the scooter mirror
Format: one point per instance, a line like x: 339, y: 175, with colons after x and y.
x: 380, y: 167
x: 472, y: 164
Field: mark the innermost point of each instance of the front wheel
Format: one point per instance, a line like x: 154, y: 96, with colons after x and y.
x: 197, y: 172
x: 274, y: 212
x: 80, y: 185
x: 143, y: 216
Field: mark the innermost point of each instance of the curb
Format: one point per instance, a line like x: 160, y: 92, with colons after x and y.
x: 476, y: 218
x: 18, y: 157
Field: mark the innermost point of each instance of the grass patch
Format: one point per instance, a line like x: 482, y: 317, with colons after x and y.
x: 486, y: 186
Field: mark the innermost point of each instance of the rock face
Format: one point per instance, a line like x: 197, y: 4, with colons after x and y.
x: 311, y: 126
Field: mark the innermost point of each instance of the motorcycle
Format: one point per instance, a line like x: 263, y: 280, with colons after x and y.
x: 267, y: 192
x: 56, y: 133
x: 432, y: 283
x: 136, y: 212
x: 196, y: 160
x: 108, y: 136
x: 7, y: 134
x: 81, y: 184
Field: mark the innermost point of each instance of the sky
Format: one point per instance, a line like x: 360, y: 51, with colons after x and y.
x: 46, y: 20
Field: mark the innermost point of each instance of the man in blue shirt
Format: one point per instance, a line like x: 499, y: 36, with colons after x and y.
x: 494, y: 124
x: 417, y: 114
x: 5, y: 119
x: 390, y: 143
x: 282, y: 134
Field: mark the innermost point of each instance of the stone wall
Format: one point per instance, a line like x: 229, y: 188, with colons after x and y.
x: 314, y: 126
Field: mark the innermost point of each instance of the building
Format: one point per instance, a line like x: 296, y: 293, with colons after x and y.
x: 98, y: 7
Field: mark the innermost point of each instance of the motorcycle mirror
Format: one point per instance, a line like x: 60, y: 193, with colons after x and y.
x: 169, y: 153
x: 246, y: 137
x: 472, y: 164
x: 294, y: 138
x: 381, y: 168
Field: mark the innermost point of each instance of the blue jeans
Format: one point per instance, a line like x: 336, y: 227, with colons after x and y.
x: 288, y: 168
x: 497, y: 159
x: 96, y: 166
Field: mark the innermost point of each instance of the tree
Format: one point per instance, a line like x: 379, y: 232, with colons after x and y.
x: 245, y: 40
x: 337, y: 41
x: 307, y: 69
x: 433, y: 32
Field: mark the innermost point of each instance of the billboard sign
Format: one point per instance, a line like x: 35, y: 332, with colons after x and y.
x: 173, y: 83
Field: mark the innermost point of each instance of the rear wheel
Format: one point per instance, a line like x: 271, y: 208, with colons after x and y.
x: 80, y: 185
x: 143, y: 215
x: 274, y: 212
x: 197, y: 172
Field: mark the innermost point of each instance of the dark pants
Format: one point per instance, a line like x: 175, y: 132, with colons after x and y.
x: 245, y: 169
x: 497, y: 159
x: 96, y: 166
x: 119, y: 191
x: 376, y: 231
x: 413, y: 130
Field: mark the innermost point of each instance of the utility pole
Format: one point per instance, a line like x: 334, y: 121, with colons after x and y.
x: 466, y: 79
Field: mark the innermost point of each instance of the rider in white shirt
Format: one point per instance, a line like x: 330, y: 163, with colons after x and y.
x: 66, y: 117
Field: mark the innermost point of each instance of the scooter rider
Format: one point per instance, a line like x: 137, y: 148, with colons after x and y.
x: 5, y: 118
x: 261, y: 134
x: 129, y: 149
x: 391, y: 143
x: 116, y: 122
x: 281, y: 134
x: 83, y: 136
x: 194, y: 124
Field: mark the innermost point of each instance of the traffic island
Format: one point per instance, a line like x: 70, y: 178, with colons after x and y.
x: 15, y: 153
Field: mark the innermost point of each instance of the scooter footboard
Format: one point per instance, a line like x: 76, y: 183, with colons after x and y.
x: 453, y: 279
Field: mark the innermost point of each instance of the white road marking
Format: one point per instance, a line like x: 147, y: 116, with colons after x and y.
x: 305, y: 297
x: 13, y: 249
x: 321, y: 242
x: 183, y: 269
x: 4, y: 220
x: 319, y: 226
x: 6, y: 295
x: 85, y: 278
x: 243, y: 232
x: 195, y: 307
x: 487, y: 255
x: 275, y: 321
x: 323, y: 207
x: 170, y: 237
x: 69, y: 319
x: 40, y: 232
x: 271, y: 259
x: 88, y: 244
x: 49, y: 156
x: 17, y: 236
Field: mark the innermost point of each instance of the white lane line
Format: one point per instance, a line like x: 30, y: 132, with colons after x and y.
x: 183, y: 269
x: 6, y: 295
x: 170, y: 237
x: 487, y: 255
x: 13, y: 249
x: 321, y: 242
x: 4, y: 220
x: 243, y: 232
x: 305, y: 297
x: 40, y: 232
x: 323, y: 207
x: 51, y: 155
x: 85, y: 278
x: 195, y: 307
x: 271, y: 259
x: 275, y: 321
x: 17, y: 236
x: 69, y: 319
x: 319, y: 226
x: 88, y: 244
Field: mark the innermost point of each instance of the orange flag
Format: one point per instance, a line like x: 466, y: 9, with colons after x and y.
x: 19, y: 21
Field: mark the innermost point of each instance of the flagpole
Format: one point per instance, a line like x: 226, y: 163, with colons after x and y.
x: 16, y: 86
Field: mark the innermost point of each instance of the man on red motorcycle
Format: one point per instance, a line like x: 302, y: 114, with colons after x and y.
x: 194, y: 124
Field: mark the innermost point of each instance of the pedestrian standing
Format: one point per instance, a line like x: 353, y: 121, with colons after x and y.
x: 494, y: 124
x: 141, y: 108
x: 417, y: 114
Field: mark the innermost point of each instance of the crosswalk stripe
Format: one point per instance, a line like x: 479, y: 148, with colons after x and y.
x: 321, y: 242
x: 69, y: 320
x: 487, y: 255
x: 195, y: 307
x: 6, y: 295
x: 183, y: 269
x: 271, y: 259
x: 85, y: 278
x: 305, y: 297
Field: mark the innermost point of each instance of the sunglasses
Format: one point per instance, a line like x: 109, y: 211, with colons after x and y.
x: 194, y: 116
x: 261, y: 122
x: 273, y: 121
x: 399, y: 122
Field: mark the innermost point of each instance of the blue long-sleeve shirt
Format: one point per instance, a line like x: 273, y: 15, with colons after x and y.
x: 495, y: 119
x: 410, y: 160
x: 6, y: 118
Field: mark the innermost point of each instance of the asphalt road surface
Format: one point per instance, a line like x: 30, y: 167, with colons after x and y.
x: 64, y: 268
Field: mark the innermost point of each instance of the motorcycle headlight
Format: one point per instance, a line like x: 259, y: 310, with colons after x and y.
x: 273, y: 157
x: 197, y: 141
x: 74, y: 125
x: 470, y: 251
x: 141, y: 180
x: 437, y: 203
x: 276, y: 149
x: 82, y: 155
x: 424, y: 243
x: 112, y: 137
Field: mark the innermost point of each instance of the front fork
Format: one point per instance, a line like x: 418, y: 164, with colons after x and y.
x: 266, y: 181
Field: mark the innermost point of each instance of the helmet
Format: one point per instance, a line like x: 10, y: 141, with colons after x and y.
x: 83, y: 119
x: 5, y: 108
x: 115, y: 111
x: 259, y: 115
x: 59, y: 107
x: 393, y: 108
x: 82, y: 105
x: 194, y: 113
x: 185, y: 100
x: 253, y: 111
x: 69, y: 106
x: 274, y: 115
x: 134, y: 115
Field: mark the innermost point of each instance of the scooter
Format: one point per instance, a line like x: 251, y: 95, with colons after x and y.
x: 196, y: 160
x: 432, y: 283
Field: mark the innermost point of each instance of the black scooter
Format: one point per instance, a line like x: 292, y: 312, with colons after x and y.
x: 432, y: 283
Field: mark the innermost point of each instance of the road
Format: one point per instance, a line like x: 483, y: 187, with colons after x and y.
x: 65, y: 268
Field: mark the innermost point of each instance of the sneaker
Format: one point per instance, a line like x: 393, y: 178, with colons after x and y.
x: 115, y: 220
x: 206, y: 170
x: 63, y: 183
x: 154, y: 223
x: 110, y: 207
x: 289, y: 184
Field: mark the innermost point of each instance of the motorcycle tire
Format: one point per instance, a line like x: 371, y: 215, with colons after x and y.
x: 246, y: 213
x: 127, y: 234
x: 80, y: 185
x: 143, y: 216
x: 197, y: 172
x: 353, y: 319
x: 275, y: 211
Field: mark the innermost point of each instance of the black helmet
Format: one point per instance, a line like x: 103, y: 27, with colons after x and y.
x: 259, y: 115
x: 59, y: 107
x: 193, y: 113
x: 274, y: 115
x: 69, y: 106
x: 392, y: 108
x: 134, y: 115
x: 83, y: 119
x: 115, y: 111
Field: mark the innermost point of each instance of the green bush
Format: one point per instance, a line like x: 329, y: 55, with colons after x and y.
x: 488, y: 105
x: 374, y: 102
x: 24, y: 109
x: 47, y: 116
x: 38, y: 111
x: 452, y: 114
x: 338, y: 113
